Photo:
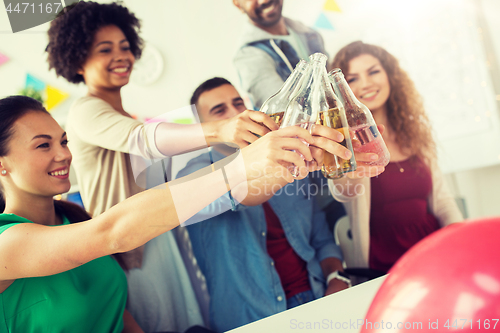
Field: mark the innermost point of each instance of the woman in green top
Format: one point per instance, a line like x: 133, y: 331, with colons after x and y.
x: 58, y: 277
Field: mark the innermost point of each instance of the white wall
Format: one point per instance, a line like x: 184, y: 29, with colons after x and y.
x: 481, y: 187
x: 198, y: 38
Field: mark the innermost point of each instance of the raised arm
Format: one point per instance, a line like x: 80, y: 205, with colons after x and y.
x: 240, y: 131
x: 28, y: 250
x: 96, y: 122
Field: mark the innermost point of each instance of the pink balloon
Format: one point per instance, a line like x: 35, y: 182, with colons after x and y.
x: 449, y: 281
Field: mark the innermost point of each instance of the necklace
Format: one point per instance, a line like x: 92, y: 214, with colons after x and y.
x: 400, y: 167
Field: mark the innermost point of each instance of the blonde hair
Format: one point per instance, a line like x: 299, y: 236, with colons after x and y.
x: 405, y: 109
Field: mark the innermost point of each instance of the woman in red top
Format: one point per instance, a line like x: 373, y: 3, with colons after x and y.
x: 409, y: 200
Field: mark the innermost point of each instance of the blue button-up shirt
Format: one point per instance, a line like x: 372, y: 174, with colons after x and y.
x: 242, y: 281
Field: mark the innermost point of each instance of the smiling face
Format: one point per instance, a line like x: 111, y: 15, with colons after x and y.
x: 110, y: 61
x: 38, y: 158
x: 220, y: 103
x: 263, y: 13
x: 369, y: 82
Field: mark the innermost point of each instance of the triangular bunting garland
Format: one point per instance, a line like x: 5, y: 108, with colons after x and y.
x: 34, y: 83
x: 331, y: 6
x: 323, y: 23
x: 54, y: 97
x: 3, y: 59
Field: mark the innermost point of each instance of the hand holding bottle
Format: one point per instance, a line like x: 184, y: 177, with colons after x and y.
x: 267, y: 155
x: 240, y: 130
x: 327, y: 141
x: 366, y: 168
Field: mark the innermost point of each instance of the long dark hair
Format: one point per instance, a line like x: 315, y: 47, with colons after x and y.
x: 11, y: 109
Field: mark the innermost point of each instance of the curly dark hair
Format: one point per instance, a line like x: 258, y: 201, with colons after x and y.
x: 405, y: 109
x: 72, y: 32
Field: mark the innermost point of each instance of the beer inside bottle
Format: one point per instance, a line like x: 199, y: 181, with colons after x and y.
x: 278, y: 117
x: 360, y: 120
x: 334, y: 167
x: 371, y: 142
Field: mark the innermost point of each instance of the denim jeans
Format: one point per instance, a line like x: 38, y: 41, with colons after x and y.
x: 299, y: 299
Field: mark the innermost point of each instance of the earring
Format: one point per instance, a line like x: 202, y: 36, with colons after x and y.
x: 4, y: 172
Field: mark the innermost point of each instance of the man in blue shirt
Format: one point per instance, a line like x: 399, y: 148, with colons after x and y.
x: 271, y: 252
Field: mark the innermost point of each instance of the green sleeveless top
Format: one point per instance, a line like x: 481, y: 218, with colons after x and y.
x: 89, y: 298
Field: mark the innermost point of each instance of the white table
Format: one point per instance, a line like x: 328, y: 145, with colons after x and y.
x: 340, y: 312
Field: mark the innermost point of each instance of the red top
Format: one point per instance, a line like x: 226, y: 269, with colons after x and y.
x: 399, y: 215
x: 292, y: 270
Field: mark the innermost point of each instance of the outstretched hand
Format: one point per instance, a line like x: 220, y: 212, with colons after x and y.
x: 326, y: 139
x: 268, y: 154
x: 244, y: 128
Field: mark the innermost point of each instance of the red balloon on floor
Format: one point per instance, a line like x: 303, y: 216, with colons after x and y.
x: 448, y: 281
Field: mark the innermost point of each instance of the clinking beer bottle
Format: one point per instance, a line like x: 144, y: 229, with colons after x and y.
x: 360, y: 120
x: 275, y: 105
x: 314, y: 101
x: 303, y: 108
x: 332, y: 115
x: 335, y: 167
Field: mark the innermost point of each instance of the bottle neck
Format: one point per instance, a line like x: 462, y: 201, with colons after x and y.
x: 315, y: 72
x: 315, y: 90
x: 292, y: 82
x: 343, y: 90
x: 357, y: 113
x: 319, y: 66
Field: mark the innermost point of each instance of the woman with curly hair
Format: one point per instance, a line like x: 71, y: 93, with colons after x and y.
x: 97, y: 44
x: 409, y: 200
